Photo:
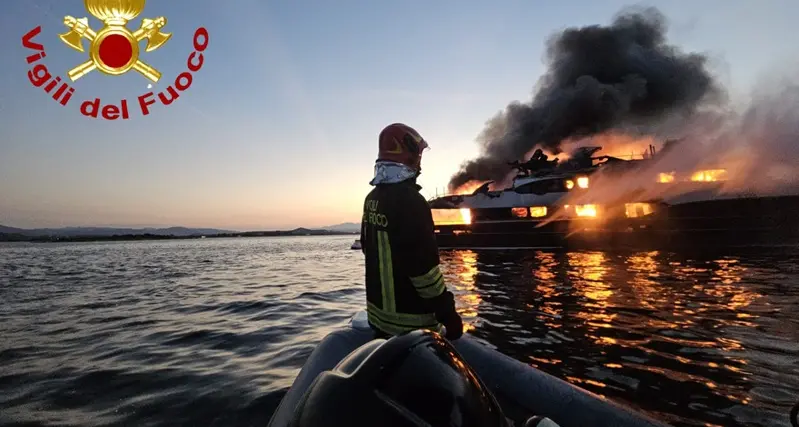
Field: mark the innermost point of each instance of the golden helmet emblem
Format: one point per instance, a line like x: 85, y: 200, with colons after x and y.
x: 117, y: 12
x: 114, y: 49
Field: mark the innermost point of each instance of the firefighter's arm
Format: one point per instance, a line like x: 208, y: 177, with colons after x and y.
x: 425, y: 271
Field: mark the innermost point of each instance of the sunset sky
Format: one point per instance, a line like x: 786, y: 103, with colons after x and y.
x: 279, y: 128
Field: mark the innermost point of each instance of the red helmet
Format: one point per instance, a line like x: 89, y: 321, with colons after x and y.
x: 402, y: 144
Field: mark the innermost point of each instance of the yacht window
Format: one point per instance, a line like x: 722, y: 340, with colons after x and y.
x: 540, y: 187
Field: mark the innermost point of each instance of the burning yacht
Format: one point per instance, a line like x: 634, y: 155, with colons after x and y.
x: 602, y: 201
x: 616, y: 86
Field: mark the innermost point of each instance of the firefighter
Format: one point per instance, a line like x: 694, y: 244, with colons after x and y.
x: 405, y: 289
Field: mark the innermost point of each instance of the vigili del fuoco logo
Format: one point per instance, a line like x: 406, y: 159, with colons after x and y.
x: 113, y: 50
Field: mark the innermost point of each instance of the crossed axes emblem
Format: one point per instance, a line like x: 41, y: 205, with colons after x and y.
x: 114, y: 28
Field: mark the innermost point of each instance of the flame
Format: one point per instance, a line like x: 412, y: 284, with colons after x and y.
x: 538, y: 211
x: 469, y: 187
x: 709, y: 175
x: 466, y: 216
x: 451, y: 216
x: 585, y: 211
x: 667, y: 173
x: 635, y: 210
x: 519, y: 212
x: 666, y: 178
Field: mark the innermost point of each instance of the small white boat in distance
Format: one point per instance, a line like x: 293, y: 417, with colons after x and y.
x: 356, y: 244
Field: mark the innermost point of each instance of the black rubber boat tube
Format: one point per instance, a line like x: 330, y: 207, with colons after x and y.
x: 539, y: 393
x: 520, y: 388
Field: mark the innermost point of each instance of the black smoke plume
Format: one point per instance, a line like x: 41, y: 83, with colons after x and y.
x: 598, y: 78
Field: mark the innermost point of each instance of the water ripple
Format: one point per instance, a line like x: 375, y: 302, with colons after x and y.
x: 212, y: 332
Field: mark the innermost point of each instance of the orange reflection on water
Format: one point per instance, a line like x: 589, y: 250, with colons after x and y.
x: 462, y: 277
x: 546, y: 361
x: 725, y: 285
x: 585, y: 381
x: 546, y: 262
x: 644, y: 268
x: 683, y: 306
x: 546, y: 285
x: 668, y: 313
x: 587, y: 274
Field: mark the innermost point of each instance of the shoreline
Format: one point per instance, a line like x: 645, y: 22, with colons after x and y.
x: 8, y: 237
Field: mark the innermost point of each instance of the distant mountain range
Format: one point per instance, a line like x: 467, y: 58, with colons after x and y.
x: 10, y: 230
x: 347, y: 227
x: 110, y: 231
x: 88, y: 233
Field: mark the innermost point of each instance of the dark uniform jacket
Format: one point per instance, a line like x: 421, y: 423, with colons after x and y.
x: 404, y: 286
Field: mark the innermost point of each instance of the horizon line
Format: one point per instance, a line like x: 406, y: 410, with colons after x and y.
x: 149, y: 227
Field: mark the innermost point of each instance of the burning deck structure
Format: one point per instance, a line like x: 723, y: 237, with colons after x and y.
x: 604, y: 201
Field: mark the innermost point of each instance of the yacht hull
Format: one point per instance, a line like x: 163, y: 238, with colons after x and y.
x: 734, y: 222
